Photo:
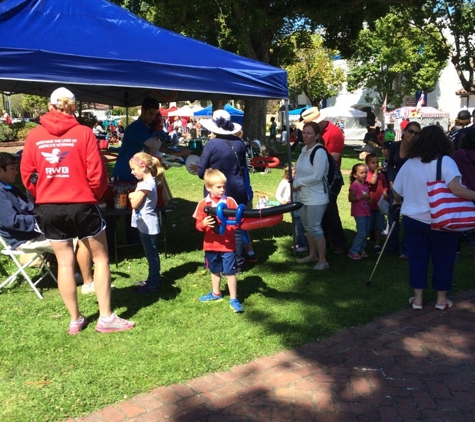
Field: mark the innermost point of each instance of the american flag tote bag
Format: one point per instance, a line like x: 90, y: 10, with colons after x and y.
x: 448, y: 212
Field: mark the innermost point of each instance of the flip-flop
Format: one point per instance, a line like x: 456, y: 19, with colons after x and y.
x: 414, y: 306
x: 306, y: 260
x: 448, y: 305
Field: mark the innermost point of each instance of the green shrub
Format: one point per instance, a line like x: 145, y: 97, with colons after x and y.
x: 25, y: 130
x: 7, y: 133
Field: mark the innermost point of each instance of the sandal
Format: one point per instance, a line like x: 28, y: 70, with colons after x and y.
x: 414, y: 306
x: 448, y: 304
x: 306, y: 260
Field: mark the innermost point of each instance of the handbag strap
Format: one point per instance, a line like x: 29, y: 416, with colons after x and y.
x: 237, y: 158
x: 439, y: 168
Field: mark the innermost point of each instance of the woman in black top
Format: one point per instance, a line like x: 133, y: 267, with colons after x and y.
x: 398, y: 155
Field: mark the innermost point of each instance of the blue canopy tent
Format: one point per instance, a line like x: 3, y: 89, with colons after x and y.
x: 106, y: 54
x: 236, y: 114
x: 298, y: 111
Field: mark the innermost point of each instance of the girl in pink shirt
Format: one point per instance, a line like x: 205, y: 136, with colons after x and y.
x: 359, y: 197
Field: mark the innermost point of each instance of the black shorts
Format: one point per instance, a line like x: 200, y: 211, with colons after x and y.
x: 67, y: 221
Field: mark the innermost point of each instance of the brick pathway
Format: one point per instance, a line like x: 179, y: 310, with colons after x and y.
x: 409, y: 366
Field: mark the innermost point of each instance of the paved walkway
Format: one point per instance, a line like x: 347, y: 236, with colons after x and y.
x: 408, y: 366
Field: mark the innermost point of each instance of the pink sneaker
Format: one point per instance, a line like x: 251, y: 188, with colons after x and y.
x: 354, y: 256
x: 75, y: 327
x: 116, y: 324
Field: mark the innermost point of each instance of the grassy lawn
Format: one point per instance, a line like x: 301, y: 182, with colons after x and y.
x: 47, y: 375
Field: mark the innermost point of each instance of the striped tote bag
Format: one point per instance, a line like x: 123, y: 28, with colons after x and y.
x: 448, y: 212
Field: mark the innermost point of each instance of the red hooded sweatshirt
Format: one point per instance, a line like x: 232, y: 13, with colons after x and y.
x: 64, y: 158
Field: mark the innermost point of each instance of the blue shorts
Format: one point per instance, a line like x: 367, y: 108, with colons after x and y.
x: 221, y: 262
x: 67, y: 221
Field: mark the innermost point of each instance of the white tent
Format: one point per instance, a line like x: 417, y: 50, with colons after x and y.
x: 354, y: 121
x: 185, y: 111
x: 333, y: 112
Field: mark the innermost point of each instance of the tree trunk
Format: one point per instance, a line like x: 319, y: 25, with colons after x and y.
x: 255, y: 120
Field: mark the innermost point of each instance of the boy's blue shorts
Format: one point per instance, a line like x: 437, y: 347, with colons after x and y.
x: 221, y: 262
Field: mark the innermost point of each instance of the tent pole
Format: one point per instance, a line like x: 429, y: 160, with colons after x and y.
x: 287, y: 125
x: 289, y: 163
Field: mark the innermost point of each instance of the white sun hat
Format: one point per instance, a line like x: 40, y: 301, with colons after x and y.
x: 221, y: 124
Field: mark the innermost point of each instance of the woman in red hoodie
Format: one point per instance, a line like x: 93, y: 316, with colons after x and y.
x: 62, y: 167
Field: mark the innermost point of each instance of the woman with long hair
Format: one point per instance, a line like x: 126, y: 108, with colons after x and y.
x: 423, y: 244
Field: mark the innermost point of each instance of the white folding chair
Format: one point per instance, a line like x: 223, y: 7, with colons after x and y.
x: 14, y: 254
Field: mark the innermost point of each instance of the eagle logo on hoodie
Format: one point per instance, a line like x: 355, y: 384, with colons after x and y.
x: 55, y: 156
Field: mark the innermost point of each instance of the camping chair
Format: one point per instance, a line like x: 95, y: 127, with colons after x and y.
x: 15, y: 254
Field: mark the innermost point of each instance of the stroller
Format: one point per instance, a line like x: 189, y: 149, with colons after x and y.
x: 258, y: 159
x: 253, y: 150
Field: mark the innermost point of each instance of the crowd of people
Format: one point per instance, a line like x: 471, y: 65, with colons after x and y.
x: 398, y: 181
x: 68, y: 222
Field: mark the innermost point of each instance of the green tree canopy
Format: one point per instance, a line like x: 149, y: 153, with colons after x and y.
x: 35, y: 104
x: 397, y: 59
x: 313, y: 72
x: 455, y: 22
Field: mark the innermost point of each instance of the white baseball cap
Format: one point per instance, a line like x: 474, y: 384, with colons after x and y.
x: 60, y: 93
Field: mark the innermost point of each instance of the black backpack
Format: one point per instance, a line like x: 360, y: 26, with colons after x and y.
x: 334, y: 179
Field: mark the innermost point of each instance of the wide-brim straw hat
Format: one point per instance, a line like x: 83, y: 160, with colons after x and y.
x: 313, y: 114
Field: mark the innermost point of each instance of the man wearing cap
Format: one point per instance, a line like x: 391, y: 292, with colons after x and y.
x: 404, y: 124
x: 137, y: 137
x: 369, y: 148
x: 334, y: 141
x: 462, y: 123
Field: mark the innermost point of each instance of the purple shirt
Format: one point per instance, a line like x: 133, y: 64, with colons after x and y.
x: 465, y: 160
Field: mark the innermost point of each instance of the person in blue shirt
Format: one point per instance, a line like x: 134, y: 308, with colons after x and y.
x: 138, y: 137
x: 18, y: 222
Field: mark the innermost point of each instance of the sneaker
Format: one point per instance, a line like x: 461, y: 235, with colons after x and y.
x: 301, y: 249
x: 354, y: 256
x: 88, y: 289
x: 377, y: 249
x: 115, y: 324
x: 321, y: 266
x: 210, y: 297
x: 235, y: 305
x: 250, y: 258
x: 75, y: 327
x: 141, y: 283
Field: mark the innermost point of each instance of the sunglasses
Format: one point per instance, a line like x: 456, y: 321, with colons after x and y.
x: 413, y: 132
